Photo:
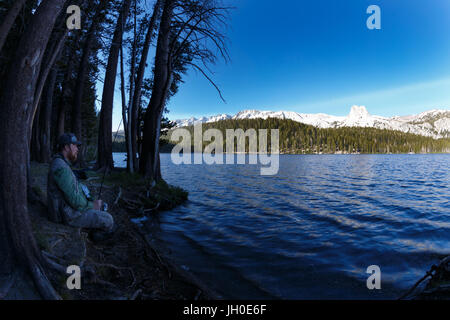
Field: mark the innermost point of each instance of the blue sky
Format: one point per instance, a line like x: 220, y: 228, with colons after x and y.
x: 319, y: 57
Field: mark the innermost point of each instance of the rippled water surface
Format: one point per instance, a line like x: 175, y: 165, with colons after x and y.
x: 311, y: 231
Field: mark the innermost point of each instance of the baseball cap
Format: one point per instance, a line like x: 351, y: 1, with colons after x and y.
x: 68, y: 138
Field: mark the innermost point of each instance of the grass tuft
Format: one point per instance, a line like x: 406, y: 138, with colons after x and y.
x: 125, y: 179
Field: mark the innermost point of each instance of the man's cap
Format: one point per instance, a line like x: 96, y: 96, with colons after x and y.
x: 68, y: 138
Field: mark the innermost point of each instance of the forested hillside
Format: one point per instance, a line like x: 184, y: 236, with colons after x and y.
x: 298, y: 138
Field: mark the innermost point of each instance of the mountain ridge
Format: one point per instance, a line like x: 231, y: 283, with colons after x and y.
x: 432, y: 123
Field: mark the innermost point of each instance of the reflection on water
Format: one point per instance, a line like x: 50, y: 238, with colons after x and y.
x: 312, y: 230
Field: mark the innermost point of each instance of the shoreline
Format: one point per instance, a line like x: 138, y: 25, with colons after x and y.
x: 312, y: 153
x: 132, y: 266
x: 127, y: 267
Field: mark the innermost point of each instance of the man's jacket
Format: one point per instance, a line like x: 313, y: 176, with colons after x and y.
x: 64, y: 192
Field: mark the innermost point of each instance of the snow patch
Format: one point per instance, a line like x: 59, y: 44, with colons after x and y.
x: 433, y: 123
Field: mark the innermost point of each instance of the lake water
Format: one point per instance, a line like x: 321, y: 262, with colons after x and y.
x: 311, y: 231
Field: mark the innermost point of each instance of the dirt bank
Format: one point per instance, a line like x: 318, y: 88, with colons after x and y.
x: 126, y: 266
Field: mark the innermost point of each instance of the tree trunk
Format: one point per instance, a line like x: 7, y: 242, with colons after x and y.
x: 52, y: 52
x: 65, y: 93
x: 18, y: 245
x: 8, y: 21
x: 79, y: 85
x: 45, y: 118
x: 65, y: 100
x: 35, y: 148
x: 162, y: 81
x: 127, y: 125
x: 81, y: 77
x: 124, y: 104
x: 38, y: 150
x: 51, y: 56
x: 104, y: 152
x: 134, y: 109
x: 40, y: 137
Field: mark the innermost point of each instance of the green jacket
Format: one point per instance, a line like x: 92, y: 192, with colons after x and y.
x: 64, y: 191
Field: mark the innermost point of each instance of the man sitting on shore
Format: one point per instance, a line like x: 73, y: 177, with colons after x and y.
x: 69, y: 201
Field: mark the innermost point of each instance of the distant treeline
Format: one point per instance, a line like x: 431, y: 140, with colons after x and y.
x: 299, y: 138
x: 119, y: 146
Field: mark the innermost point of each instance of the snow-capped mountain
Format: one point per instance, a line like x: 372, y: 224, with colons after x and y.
x: 434, y: 123
x: 192, y: 121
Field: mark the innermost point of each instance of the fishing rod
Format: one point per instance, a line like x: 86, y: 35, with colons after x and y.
x: 104, y: 172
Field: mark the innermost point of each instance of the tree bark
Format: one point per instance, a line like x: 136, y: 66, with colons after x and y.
x: 104, y: 151
x: 148, y: 165
x: 127, y: 124
x: 124, y: 104
x: 38, y: 149
x: 65, y: 93
x: 79, y: 85
x: 18, y: 245
x: 45, y: 119
x: 53, y: 52
x: 134, y: 109
x: 8, y: 21
x: 65, y: 101
x: 81, y: 77
x: 35, y: 148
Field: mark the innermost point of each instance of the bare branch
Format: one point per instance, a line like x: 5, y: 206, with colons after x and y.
x: 209, y: 79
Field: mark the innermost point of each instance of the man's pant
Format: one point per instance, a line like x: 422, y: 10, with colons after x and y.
x: 91, y: 218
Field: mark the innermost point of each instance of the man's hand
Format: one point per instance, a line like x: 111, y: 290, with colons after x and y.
x: 98, y: 204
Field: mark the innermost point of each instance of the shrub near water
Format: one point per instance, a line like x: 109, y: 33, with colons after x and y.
x: 168, y: 196
x: 161, y: 193
x: 125, y: 179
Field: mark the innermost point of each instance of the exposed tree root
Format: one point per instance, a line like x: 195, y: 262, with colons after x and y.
x: 42, y: 283
x: 9, y: 283
x: 118, y: 196
x: 136, y: 295
x: 48, y: 258
x: 108, y: 265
